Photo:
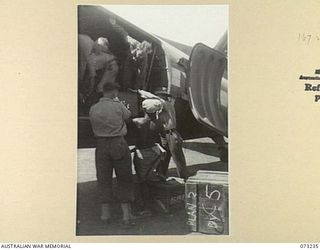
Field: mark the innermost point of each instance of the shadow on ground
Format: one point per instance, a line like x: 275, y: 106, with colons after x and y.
x: 172, y: 223
x: 203, y: 147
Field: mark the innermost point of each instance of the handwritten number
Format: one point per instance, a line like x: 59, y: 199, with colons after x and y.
x: 309, y: 38
x: 192, y: 194
x: 214, y: 191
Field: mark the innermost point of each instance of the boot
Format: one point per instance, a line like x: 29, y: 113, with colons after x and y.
x: 105, y: 212
x: 126, y: 210
x: 131, y: 216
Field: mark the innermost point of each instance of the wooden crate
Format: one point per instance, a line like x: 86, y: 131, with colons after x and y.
x: 207, y: 203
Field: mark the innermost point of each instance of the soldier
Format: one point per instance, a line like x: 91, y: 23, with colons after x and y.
x: 141, y: 56
x: 171, y: 140
x: 108, y: 118
x: 102, y: 67
x: 120, y: 47
x: 147, y: 153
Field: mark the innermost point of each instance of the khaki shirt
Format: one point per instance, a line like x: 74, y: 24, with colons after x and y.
x: 103, y: 61
x: 108, y: 117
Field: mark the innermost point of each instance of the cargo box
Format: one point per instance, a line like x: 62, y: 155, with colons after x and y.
x: 207, y: 203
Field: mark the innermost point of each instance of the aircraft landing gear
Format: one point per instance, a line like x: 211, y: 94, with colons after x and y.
x: 222, y: 147
x: 224, y: 154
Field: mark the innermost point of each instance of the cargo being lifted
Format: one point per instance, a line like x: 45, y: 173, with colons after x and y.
x: 195, y: 77
x: 139, y: 60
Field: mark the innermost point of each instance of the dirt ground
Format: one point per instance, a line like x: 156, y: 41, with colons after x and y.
x: 200, y: 154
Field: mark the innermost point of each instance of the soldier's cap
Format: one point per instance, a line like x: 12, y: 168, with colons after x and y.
x: 102, y: 41
x: 162, y: 91
x: 109, y: 86
x: 152, y: 105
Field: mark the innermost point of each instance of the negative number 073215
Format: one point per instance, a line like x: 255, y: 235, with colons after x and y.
x: 309, y: 245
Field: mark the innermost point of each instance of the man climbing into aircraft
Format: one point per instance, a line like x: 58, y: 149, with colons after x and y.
x: 120, y: 47
x: 141, y: 55
x: 97, y: 65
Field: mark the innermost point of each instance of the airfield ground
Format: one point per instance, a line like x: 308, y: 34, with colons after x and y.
x: 200, y: 154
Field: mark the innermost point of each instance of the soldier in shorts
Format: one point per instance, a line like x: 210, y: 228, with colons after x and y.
x: 108, y: 118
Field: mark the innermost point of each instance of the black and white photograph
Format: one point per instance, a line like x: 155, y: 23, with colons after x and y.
x: 119, y: 124
x: 152, y: 145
